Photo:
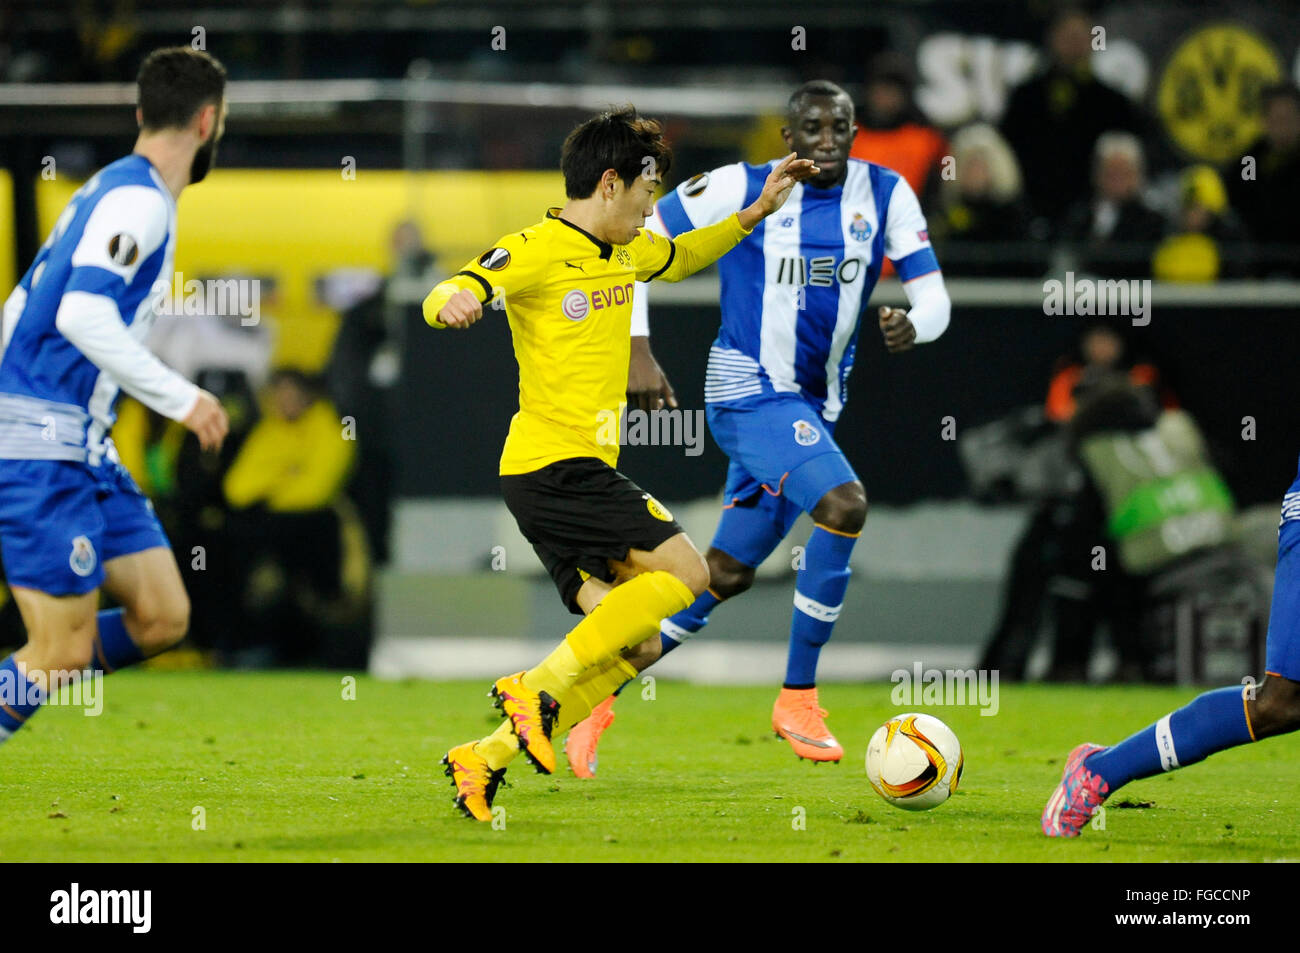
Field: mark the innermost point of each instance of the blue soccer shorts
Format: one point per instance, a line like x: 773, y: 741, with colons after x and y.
x: 784, y: 459
x: 61, y: 520
x: 1283, y: 653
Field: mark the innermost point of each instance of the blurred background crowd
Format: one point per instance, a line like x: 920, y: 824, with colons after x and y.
x: 371, y: 148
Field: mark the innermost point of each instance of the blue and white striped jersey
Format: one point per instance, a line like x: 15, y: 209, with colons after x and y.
x: 73, y: 328
x: 794, y: 291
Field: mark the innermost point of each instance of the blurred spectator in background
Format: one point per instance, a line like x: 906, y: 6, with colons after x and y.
x: 226, y: 348
x: 304, y: 586
x: 1151, y: 499
x: 1208, y: 243
x: 893, y: 132
x: 1114, y: 233
x: 1269, y: 203
x: 366, y: 366
x: 234, y: 331
x: 1102, y: 352
x: 983, y: 225
x: 1054, y: 119
x: 1065, y: 516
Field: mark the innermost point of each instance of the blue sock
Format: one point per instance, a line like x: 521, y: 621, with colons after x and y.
x: 19, y: 698
x: 675, y: 630
x: 114, y: 648
x: 818, y: 598
x: 684, y: 624
x: 1208, y: 723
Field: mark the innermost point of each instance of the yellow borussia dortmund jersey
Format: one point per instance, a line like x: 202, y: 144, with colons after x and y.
x: 568, y: 297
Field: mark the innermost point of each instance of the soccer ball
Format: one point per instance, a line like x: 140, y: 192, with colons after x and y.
x: 914, y: 761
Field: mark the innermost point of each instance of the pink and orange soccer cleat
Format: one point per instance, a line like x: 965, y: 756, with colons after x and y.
x: 1076, y: 798
x: 474, y: 780
x: 798, y: 719
x: 580, y: 743
x: 532, y: 715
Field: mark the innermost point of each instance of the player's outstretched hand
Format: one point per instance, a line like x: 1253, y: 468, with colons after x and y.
x: 780, y: 181
x: 209, y: 422
x: 461, y: 310
x: 898, y: 330
x: 647, y: 384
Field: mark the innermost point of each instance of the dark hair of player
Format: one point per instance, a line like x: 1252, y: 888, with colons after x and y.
x: 174, y: 83
x: 619, y: 140
x: 814, y: 87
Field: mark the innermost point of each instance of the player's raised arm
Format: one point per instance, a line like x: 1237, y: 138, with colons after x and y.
x: 701, y: 200
x: 508, y: 268
x: 693, y: 250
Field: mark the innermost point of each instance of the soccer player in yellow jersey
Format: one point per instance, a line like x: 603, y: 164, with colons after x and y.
x: 616, y: 554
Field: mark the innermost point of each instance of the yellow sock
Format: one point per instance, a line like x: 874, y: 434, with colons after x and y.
x: 592, y: 689
x: 556, y: 673
x: 501, y: 747
x: 627, y: 616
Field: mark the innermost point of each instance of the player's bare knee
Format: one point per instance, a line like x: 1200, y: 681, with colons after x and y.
x: 727, y: 576
x: 694, y: 574
x: 1277, y: 707
x: 159, y: 626
x: 843, y: 509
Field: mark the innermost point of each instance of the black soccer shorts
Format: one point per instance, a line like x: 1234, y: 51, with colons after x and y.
x: 581, y: 513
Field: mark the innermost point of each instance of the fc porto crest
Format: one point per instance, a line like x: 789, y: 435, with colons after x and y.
x: 83, y: 558
x: 859, y: 228
x: 805, y: 434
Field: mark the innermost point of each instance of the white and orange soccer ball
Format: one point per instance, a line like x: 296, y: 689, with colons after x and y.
x: 914, y: 761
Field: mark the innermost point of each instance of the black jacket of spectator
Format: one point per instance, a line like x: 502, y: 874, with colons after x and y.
x: 984, y: 237
x: 1052, y: 123
x: 1269, y: 205
x: 1126, y: 251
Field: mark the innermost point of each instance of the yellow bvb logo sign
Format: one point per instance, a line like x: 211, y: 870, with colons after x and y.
x: 1209, y: 93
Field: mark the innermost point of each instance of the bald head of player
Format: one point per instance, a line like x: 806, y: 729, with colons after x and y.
x: 181, y: 111
x: 819, y: 126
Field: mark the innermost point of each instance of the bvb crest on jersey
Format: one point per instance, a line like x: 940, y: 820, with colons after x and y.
x: 657, y: 509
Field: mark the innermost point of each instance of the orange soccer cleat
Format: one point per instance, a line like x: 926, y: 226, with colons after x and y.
x: 474, y: 780
x: 580, y: 743
x: 798, y: 719
x: 532, y: 715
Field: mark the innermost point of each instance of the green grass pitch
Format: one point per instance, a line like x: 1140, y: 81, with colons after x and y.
x: 280, y: 767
